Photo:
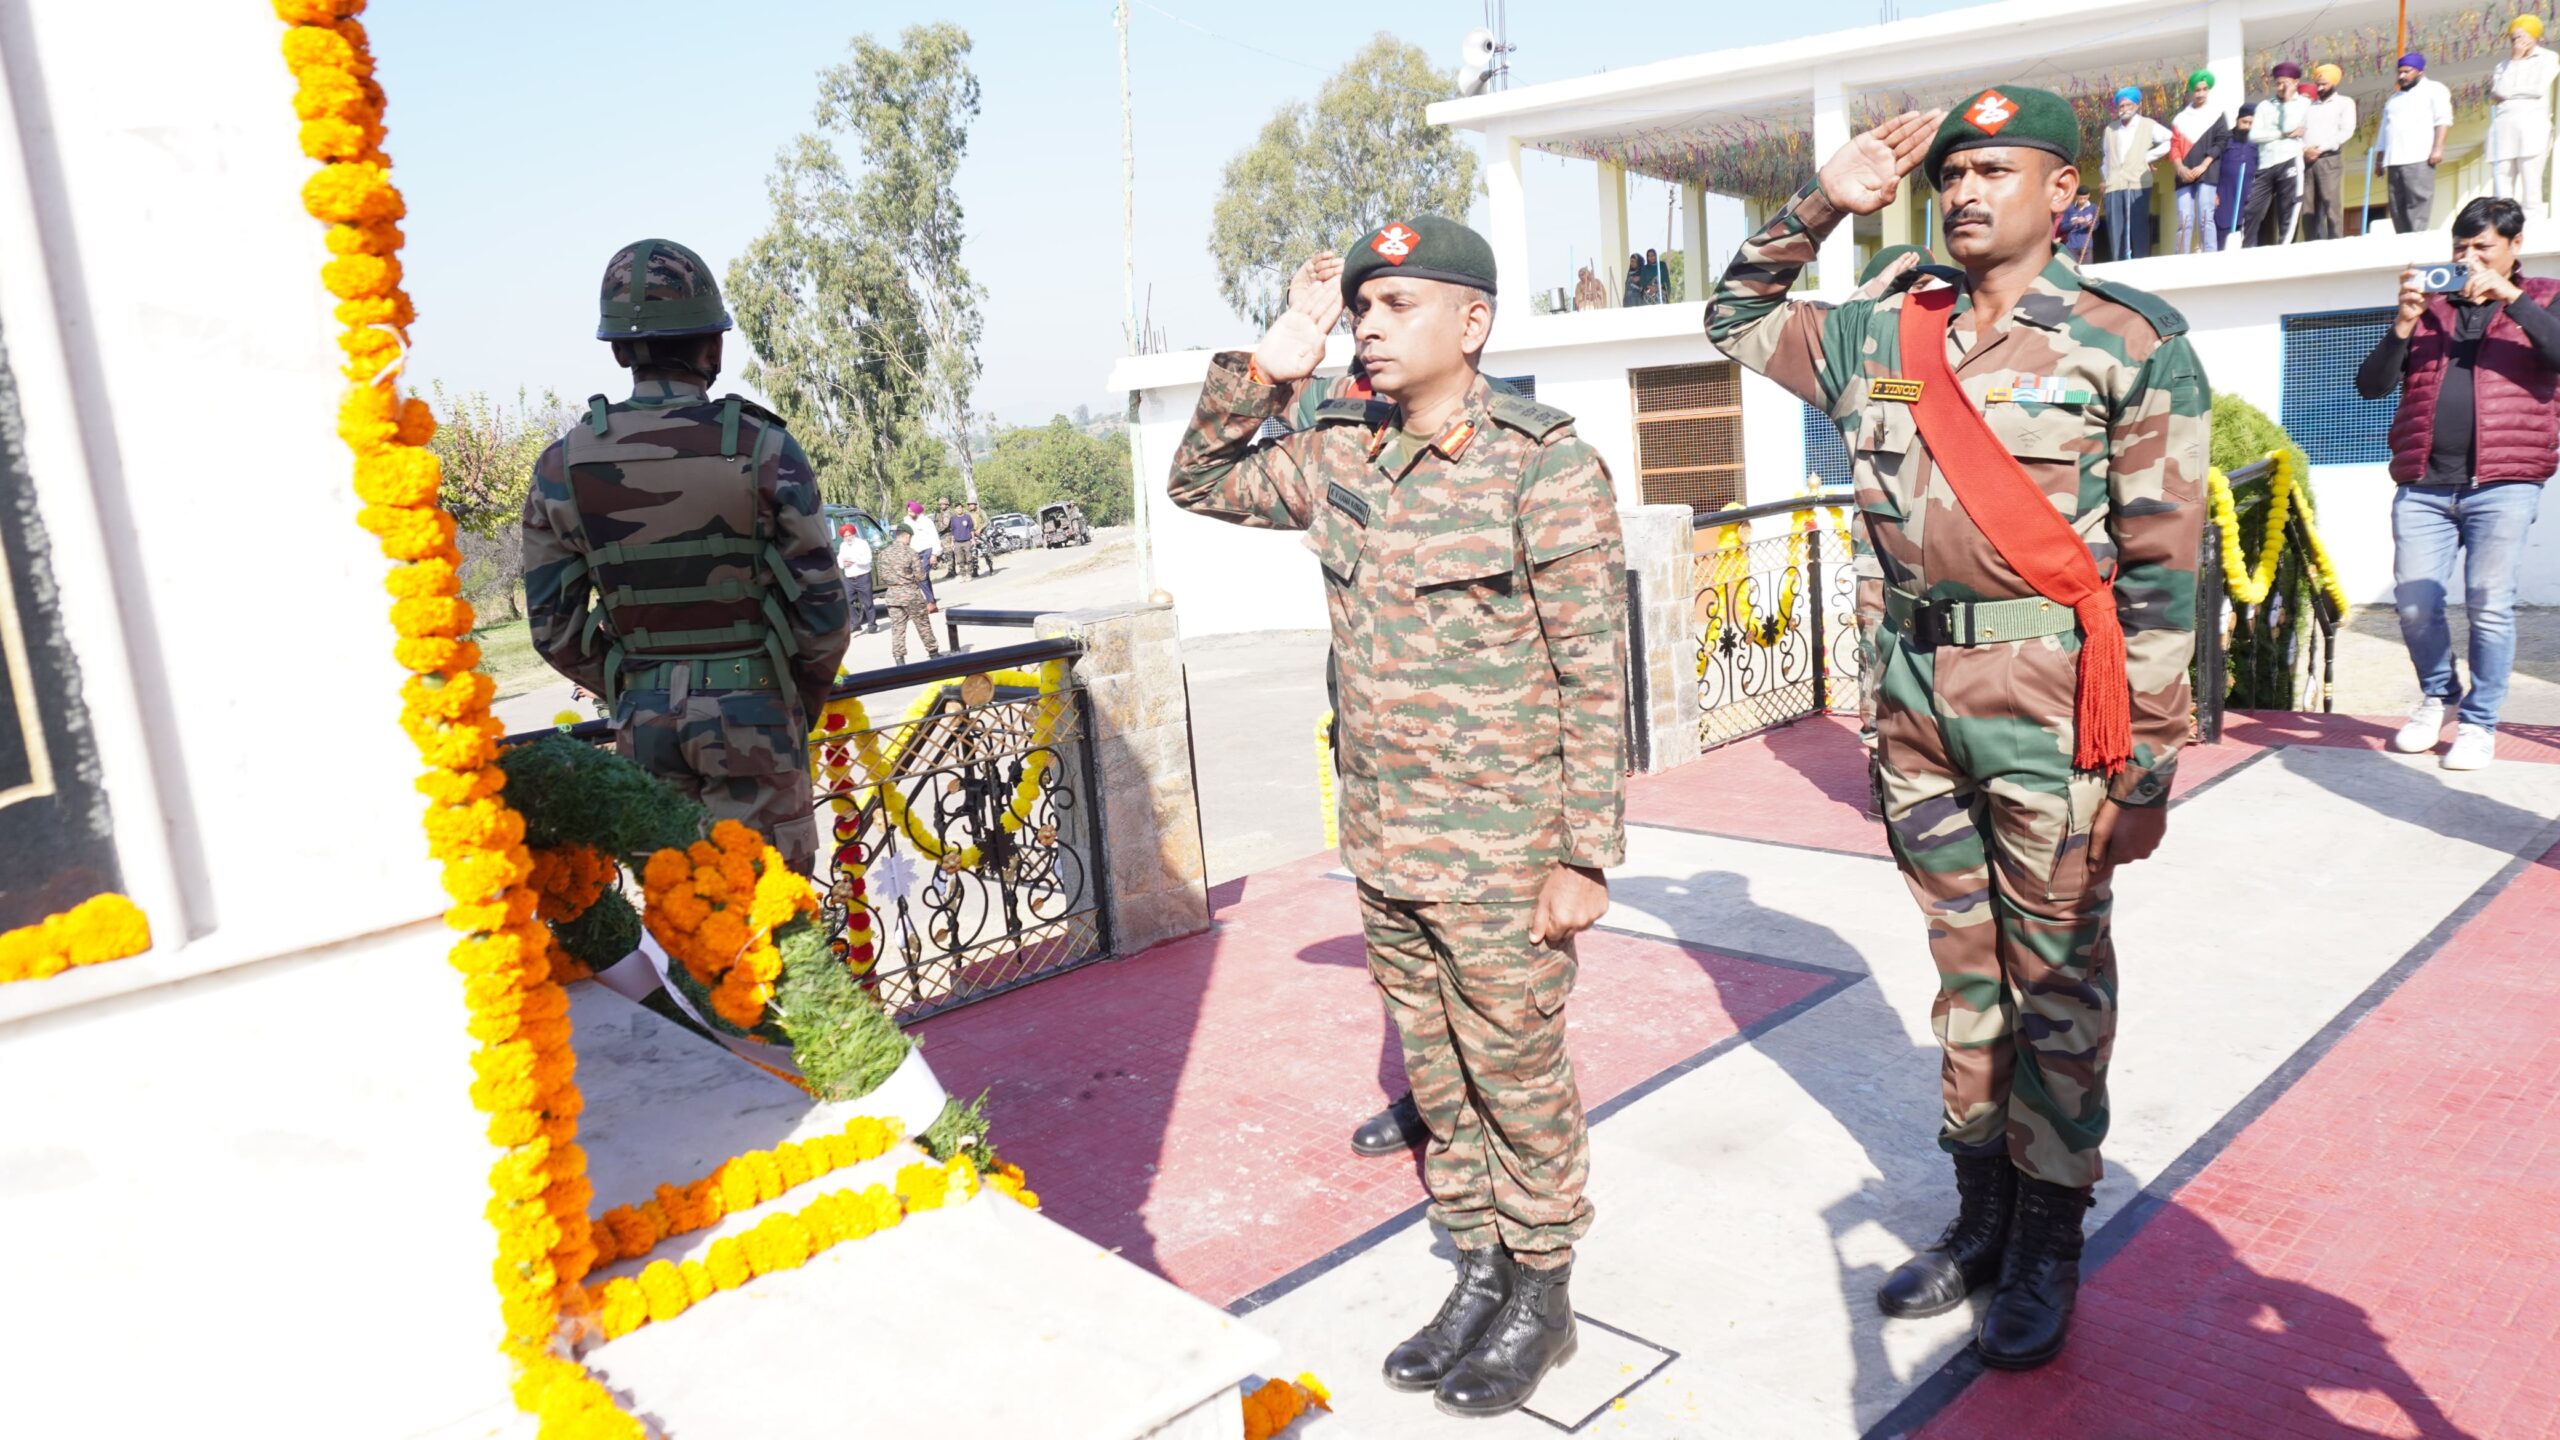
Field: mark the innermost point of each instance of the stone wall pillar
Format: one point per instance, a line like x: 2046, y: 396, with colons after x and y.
x: 1154, y: 871
x: 1662, y: 658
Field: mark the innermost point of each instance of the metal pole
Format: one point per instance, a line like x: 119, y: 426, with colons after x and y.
x: 1129, y: 337
x: 1821, y: 641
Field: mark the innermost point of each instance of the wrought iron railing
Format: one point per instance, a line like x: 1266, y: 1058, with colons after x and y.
x: 1774, y: 614
x: 952, y: 620
x: 971, y: 818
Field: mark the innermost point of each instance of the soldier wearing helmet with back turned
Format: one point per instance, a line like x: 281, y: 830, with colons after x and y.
x: 676, y: 561
x: 2030, y: 460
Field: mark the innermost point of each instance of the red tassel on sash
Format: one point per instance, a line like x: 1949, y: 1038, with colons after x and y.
x: 2023, y: 525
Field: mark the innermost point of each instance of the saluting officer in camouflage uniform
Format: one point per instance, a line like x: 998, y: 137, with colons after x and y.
x: 676, y: 561
x: 2021, y: 750
x: 1474, y: 573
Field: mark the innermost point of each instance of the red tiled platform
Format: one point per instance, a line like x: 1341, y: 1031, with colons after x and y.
x: 1806, y: 783
x: 1192, y: 1106
x: 2371, y: 1256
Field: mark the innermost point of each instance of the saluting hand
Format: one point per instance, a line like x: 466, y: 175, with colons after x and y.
x: 1294, y: 346
x: 1863, y: 177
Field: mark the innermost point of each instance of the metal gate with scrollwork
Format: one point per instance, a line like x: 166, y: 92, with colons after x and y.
x: 1774, y: 606
x: 964, y: 840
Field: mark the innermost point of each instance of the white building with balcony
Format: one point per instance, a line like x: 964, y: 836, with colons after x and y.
x: 2282, y: 326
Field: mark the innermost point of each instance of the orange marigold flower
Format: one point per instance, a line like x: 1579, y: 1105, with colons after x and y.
x: 417, y: 422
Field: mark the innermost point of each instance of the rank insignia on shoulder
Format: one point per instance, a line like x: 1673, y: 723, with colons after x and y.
x: 1349, y: 504
x: 1895, y: 388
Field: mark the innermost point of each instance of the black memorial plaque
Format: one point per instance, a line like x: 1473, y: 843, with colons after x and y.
x: 57, y: 844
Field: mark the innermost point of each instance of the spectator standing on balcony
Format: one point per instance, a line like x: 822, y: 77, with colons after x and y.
x: 2239, y: 169
x: 2471, y: 444
x: 2276, y: 191
x: 1654, y: 278
x: 853, y: 557
x: 2415, y: 121
x: 1635, y: 280
x: 1474, y: 572
x: 2015, y: 768
x: 2131, y: 144
x: 1590, y: 292
x: 2325, y: 137
x: 2520, y: 114
x: 2199, y: 132
x: 2077, y: 227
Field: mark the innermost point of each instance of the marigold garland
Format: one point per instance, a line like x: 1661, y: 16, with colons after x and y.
x: 1276, y: 1404
x: 715, y: 907
x: 783, y: 1241
x: 846, y: 718
x: 98, y: 929
x: 627, y: 1231
x: 2250, y: 584
x: 524, y: 1071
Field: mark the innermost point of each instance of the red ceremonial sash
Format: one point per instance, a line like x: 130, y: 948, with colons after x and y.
x: 2022, y: 524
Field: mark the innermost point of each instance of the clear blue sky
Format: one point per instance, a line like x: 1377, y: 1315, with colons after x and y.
x: 532, y: 139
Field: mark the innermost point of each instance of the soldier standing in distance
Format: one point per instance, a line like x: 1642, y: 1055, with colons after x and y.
x: 2030, y: 452
x: 902, y: 577
x: 677, y: 564
x: 1473, y: 573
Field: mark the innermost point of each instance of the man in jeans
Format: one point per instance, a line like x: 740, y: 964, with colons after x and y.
x: 2471, y: 443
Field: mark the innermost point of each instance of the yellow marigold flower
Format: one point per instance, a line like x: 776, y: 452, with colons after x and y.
x: 697, y: 1281
x: 621, y: 1307
x: 727, y: 1263
x: 664, y: 1290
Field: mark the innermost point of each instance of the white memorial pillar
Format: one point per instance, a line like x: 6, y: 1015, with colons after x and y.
x: 1836, y: 267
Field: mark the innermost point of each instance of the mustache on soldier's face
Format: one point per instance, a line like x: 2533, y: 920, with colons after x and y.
x: 1968, y: 212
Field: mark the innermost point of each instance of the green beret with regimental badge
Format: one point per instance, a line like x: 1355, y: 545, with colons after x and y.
x: 1425, y: 247
x: 2007, y: 115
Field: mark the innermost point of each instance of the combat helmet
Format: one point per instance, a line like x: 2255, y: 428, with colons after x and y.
x: 675, y: 294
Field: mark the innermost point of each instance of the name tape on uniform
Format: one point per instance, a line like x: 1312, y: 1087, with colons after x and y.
x: 1905, y: 391
x: 1346, y: 502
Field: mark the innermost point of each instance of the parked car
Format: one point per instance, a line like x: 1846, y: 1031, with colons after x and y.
x: 1063, y: 524
x: 1013, y: 530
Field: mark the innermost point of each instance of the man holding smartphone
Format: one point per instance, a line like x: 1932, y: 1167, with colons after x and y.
x: 2471, y: 443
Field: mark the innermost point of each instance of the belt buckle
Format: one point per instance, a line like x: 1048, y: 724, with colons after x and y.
x: 1933, y: 623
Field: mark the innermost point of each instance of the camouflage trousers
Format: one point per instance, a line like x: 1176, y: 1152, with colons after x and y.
x: 1990, y: 825
x: 902, y: 616
x: 740, y: 752
x: 1480, y: 1007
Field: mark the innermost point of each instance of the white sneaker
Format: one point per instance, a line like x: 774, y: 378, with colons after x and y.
x: 2425, y: 728
x: 2474, y: 746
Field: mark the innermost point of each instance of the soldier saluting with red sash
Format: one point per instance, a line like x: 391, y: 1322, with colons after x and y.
x: 2030, y: 446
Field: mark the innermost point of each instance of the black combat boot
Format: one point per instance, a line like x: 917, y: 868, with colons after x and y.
x: 1398, y: 1127
x: 1533, y: 1335
x: 1967, y: 1257
x: 2039, y: 1278
x: 1484, y: 1283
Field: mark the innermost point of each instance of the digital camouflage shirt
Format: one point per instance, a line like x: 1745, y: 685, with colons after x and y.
x: 1476, y: 586
x: 2094, y: 388
x: 682, y: 421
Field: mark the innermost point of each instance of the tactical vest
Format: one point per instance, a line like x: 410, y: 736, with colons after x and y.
x: 709, y: 596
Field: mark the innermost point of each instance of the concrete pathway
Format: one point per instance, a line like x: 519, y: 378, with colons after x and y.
x: 1752, y: 1042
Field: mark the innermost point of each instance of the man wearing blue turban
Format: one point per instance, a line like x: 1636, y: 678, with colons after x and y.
x: 2131, y: 144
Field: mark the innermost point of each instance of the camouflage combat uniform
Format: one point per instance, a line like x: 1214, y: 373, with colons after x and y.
x: 2100, y: 397
x: 902, y: 576
x: 675, y: 562
x: 1476, y: 587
